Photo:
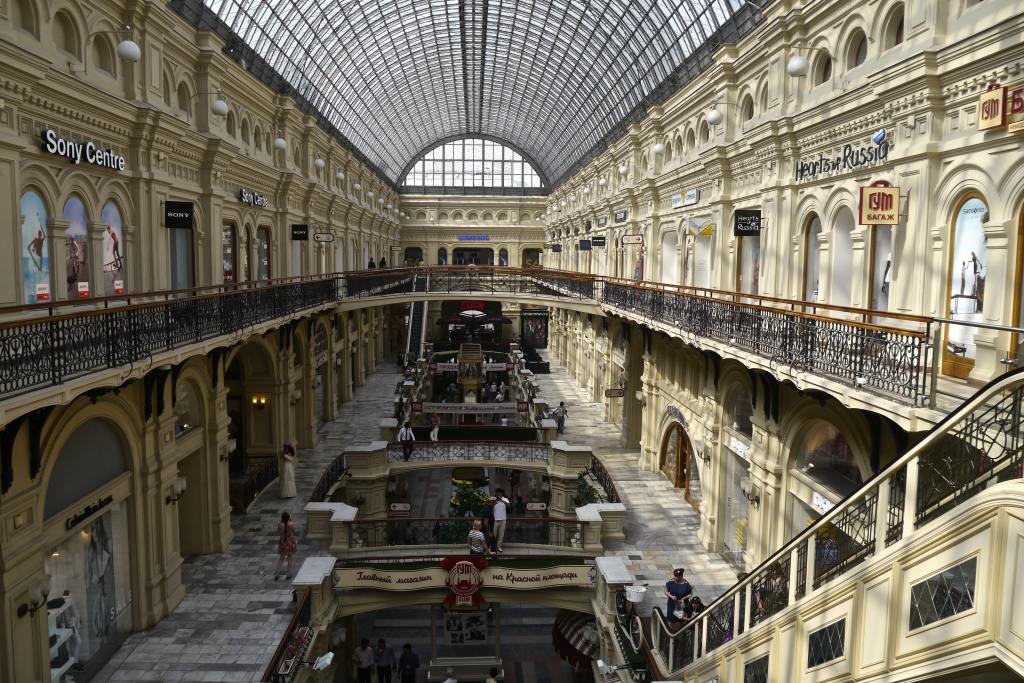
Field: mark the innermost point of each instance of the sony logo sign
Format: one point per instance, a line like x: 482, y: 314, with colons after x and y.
x: 76, y: 152
x: 252, y: 198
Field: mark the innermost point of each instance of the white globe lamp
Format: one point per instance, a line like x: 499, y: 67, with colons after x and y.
x: 340, y: 175
x: 623, y: 169
x: 280, y: 144
x: 659, y: 148
x: 319, y: 163
x: 715, y: 117
x: 798, y: 66
x: 219, y: 107
x: 129, y: 51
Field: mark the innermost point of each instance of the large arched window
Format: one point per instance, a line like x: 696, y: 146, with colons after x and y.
x: 824, y: 455
x: 484, y: 165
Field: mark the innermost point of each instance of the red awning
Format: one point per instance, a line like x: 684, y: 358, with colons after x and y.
x: 575, y: 637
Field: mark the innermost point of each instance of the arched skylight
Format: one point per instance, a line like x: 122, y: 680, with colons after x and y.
x: 471, y: 163
x: 552, y: 77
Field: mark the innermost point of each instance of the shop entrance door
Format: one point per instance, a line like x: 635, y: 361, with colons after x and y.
x: 677, y: 460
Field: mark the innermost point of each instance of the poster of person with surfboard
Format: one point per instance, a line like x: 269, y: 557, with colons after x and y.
x: 35, y: 260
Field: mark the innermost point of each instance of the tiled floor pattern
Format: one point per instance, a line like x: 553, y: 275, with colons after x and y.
x: 661, y: 527
x: 233, y: 614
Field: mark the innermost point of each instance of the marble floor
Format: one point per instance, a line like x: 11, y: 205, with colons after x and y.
x: 234, y: 612
x: 661, y: 527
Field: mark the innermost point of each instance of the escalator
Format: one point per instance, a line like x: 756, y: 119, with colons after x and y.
x: 417, y: 319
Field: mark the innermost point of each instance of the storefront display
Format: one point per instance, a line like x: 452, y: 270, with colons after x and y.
x: 968, y: 272
x: 89, y: 612
x: 825, y: 470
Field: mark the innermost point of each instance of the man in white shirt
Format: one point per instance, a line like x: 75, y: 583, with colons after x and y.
x: 363, y: 659
x: 406, y: 437
x: 501, y: 504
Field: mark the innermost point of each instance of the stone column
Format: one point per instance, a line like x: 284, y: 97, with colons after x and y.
x: 860, y: 288
x: 999, y: 270
x: 56, y: 228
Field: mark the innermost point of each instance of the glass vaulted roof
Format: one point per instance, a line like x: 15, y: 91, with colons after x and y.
x: 551, y: 77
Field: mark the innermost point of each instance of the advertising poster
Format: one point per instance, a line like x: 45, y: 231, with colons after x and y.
x: 534, y: 330
x: 113, y: 262
x: 35, y: 258
x: 967, y: 291
x: 76, y: 248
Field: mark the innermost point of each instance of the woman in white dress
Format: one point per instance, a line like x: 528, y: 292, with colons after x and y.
x: 287, y: 477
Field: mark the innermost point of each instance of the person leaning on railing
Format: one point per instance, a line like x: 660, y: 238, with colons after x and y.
x: 477, y: 540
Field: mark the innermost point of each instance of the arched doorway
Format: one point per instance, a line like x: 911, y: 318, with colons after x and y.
x: 91, y: 563
x: 670, y: 257
x: 812, y: 259
x: 823, y: 470
x: 678, y: 462
x: 412, y: 256
x: 531, y: 257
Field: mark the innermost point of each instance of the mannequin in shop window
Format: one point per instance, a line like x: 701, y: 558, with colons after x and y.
x: 885, y: 275
x: 288, y: 471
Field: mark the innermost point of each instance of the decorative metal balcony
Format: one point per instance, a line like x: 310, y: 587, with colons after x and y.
x: 439, y: 531
x: 472, y: 451
x: 888, y: 354
x: 980, y: 444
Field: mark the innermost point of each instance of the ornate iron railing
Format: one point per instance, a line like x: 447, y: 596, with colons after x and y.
x: 381, y: 533
x: 259, y: 476
x: 331, y: 475
x: 604, y: 478
x: 52, y: 343
x: 284, y: 664
x: 472, y: 451
x: 978, y: 445
x: 891, y: 360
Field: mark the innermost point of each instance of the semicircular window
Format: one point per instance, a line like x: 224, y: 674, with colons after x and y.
x: 473, y: 166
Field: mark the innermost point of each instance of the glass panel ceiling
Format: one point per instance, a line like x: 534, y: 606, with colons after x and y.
x: 471, y: 162
x: 550, y: 76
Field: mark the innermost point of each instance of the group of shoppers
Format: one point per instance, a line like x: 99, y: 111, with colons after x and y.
x: 383, y: 660
x: 488, y: 533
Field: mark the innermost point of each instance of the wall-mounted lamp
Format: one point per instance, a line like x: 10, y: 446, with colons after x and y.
x: 659, y: 148
x: 339, y: 175
x: 623, y: 169
x: 751, y: 491
x: 127, y: 50
x: 259, y: 401
x: 37, y: 595
x: 280, y: 144
x: 319, y: 163
x: 178, y: 488
x: 357, y: 187
x: 219, y: 106
x: 602, y: 181
x: 798, y: 65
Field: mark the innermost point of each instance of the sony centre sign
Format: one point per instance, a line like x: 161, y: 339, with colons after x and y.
x: 77, y: 152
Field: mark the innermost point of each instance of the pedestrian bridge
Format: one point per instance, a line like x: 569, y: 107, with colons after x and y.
x: 865, y: 358
x: 916, y: 576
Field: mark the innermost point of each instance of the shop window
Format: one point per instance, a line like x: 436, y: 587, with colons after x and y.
x: 747, y: 109
x: 967, y: 276
x: 749, y: 271
x: 229, y: 124
x: 503, y: 257
x: 741, y: 413
x: 182, y: 258
x: 263, y: 254
x: 25, y: 17
x: 65, y: 34
x: 824, y: 455
x: 76, y: 248
x: 184, y: 99
x: 857, y: 52
x: 822, y: 69
x: 103, y: 55
x: 245, y: 254
x: 841, y: 293
x: 893, y: 34
x: 229, y: 251
x: 89, y: 611
x: 187, y: 415
x: 113, y: 250
x: 35, y: 254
